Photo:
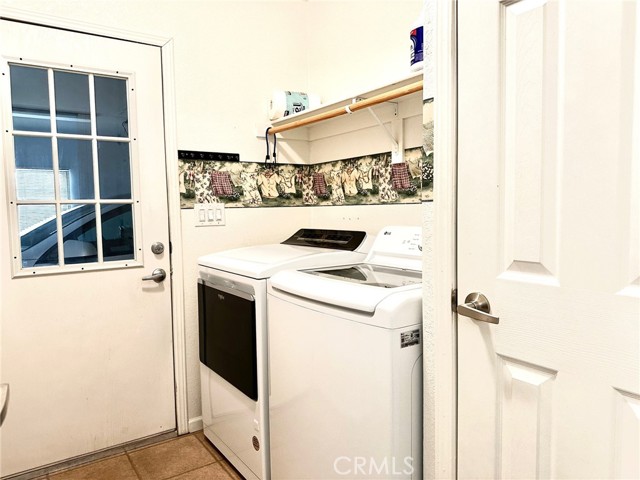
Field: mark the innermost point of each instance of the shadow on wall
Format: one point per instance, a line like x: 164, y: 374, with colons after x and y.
x: 368, y: 180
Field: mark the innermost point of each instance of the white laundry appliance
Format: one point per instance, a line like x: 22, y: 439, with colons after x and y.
x: 345, y: 359
x: 232, y: 315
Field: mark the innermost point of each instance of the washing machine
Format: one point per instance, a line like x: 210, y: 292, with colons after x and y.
x: 345, y: 365
x: 232, y: 315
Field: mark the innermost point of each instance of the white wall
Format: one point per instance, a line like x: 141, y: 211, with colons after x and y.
x: 358, y: 45
x: 229, y: 57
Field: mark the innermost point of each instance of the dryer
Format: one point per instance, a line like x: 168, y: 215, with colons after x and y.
x: 233, y: 322
x: 345, y: 353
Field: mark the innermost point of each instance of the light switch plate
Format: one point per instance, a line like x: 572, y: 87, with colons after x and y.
x: 209, y: 214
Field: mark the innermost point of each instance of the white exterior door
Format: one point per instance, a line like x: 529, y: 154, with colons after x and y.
x: 549, y: 219
x: 86, y: 343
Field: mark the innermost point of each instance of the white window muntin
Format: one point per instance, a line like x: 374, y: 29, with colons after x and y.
x: 60, y: 204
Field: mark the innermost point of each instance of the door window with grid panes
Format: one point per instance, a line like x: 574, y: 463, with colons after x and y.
x: 72, y: 194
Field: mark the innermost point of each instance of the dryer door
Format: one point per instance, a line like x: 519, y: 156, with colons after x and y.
x: 227, y: 324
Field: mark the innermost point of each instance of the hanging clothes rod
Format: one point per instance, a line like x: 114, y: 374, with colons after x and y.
x: 353, y: 107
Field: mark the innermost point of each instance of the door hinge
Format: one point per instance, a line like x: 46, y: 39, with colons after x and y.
x: 454, y: 300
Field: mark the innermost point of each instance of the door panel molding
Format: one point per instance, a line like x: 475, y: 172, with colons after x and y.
x: 633, y: 275
x: 531, y: 114
x: 525, y: 405
x: 626, y: 436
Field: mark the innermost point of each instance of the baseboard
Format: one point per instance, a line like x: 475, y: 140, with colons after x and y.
x: 195, y: 424
x: 41, y: 472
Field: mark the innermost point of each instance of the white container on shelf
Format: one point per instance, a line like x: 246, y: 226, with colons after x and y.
x: 285, y: 103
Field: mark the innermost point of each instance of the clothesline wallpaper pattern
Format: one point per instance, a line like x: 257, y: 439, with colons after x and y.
x: 370, y: 179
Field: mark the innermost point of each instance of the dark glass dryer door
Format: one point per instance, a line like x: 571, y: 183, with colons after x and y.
x: 227, y: 324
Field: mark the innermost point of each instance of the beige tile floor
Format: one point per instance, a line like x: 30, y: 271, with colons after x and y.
x: 189, y: 457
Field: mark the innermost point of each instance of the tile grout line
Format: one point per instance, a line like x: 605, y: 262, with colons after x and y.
x: 214, y: 459
x: 192, y: 470
x: 202, y: 442
x: 222, y: 460
x: 231, y: 471
x: 127, y: 452
x: 226, y: 466
x: 132, y: 465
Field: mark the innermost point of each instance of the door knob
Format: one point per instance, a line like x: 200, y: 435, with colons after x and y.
x: 158, y: 275
x: 157, y: 248
x: 477, y: 306
x: 4, y: 401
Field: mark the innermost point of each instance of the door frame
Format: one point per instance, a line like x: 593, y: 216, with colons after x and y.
x: 440, y: 434
x: 173, y: 195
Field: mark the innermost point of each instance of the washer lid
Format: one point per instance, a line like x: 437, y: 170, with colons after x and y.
x: 358, y: 287
x: 372, y: 275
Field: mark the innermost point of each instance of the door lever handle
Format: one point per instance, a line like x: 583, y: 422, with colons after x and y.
x: 158, y: 275
x: 476, y: 306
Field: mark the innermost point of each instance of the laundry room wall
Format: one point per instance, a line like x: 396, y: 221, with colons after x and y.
x: 229, y: 57
x: 358, y: 45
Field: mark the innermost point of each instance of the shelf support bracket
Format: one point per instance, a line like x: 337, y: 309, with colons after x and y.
x: 395, y: 147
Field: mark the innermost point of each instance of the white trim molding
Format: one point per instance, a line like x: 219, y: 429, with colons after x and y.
x: 442, y: 441
x: 195, y: 424
x: 173, y: 196
x: 53, y: 21
x: 175, y: 234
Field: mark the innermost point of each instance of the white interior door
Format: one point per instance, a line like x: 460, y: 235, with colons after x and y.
x: 549, y: 218
x: 86, y: 343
